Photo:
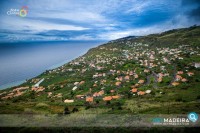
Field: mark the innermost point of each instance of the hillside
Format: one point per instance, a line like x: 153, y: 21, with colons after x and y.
x: 158, y: 73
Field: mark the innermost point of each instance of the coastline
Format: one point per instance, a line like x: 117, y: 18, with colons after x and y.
x: 12, y: 84
x: 19, y: 82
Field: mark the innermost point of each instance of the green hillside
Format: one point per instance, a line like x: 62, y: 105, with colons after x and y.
x: 158, y: 73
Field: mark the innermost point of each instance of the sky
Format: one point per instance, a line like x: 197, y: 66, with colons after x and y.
x: 89, y: 20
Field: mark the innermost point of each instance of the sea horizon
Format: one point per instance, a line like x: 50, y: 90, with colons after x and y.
x: 15, y: 58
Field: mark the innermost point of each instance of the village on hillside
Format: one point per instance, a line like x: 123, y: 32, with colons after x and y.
x: 118, y: 70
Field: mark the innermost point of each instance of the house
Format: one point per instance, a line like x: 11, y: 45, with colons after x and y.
x: 20, y: 88
x: 152, y: 57
x: 134, y: 90
x: 184, y: 80
x: 18, y: 94
x: 96, y: 94
x: 136, y: 76
x: 160, y: 75
x: 80, y: 96
x: 95, y: 76
x: 116, y: 97
x: 190, y: 73
x: 141, y: 81
x: 178, y: 77
x: 2, y: 93
x: 146, y: 70
x: 127, y: 77
x: 136, y: 85
x: 175, y: 83
x: 68, y: 101
x: 180, y: 72
x: 94, y: 85
x: 76, y: 83
x: 82, y: 82
x: 148, y: 91
x: 118, y: 83
x: 40, y: 89
x: 101, y: 92
x: 112, y: 91
x: 74, y: 88
x: 104, y: 74
x: 141, y: 93
x: 107, y: 98
x: 197, y: 65
x: 34, y: 89
x: 103, y: 81
x: 6, y: 97
x: 100, y: 75
x: 49, y: 94
x: 89, y: 99
x: 131, y: 73
x: 162, y: 67
x: 159, y: 79
x: 11, y: 94
x: 120, y: 78
x: 59, y: 95
x: 118, y: 72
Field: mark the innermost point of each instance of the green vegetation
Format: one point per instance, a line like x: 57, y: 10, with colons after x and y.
x: 164, y: 68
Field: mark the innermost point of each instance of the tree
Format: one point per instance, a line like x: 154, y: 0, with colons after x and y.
x: 72, y: 94
x: 97, y: 101
x: 32, y: 95
x: 66, y: 111
x: 129, y: 95
x: 75, y: 110
x: 108, y: 103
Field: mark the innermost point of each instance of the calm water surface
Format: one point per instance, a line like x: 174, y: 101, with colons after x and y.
x: 21, y: 61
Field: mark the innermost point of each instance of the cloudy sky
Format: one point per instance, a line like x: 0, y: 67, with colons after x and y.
x: 94, y: 19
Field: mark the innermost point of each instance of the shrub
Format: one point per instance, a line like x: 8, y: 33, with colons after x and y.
x: 197, y: 80
x: 108, y: 103
x: 119, y: 108
x: 66, y: 111
x: 87, y: 107
x: 42, y: 105
x: 198, y: 97
x: 178, y: 99
x: 75, y: 110
x: 97, y: 101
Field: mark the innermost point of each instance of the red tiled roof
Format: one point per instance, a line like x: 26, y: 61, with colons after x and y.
x: 107, y: 98
x: 141, y: 93
x: 116, y: 97
x: 134, y: 90
x: 89, y: 99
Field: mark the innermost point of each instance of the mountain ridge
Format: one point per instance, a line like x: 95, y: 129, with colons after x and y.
x: 130, y: 75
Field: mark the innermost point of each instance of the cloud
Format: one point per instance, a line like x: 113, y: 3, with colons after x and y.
x: 191, y: 9
x: 83, y: 37
x: 190, y: 2
x: 195, y: 13
x: 178, y: 21
x: 138, y: 7
x: 96, y: 19
x: 35, y: 25
x: 79, y: 16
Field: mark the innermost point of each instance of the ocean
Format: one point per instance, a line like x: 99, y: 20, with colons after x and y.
x: 21, y: 61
